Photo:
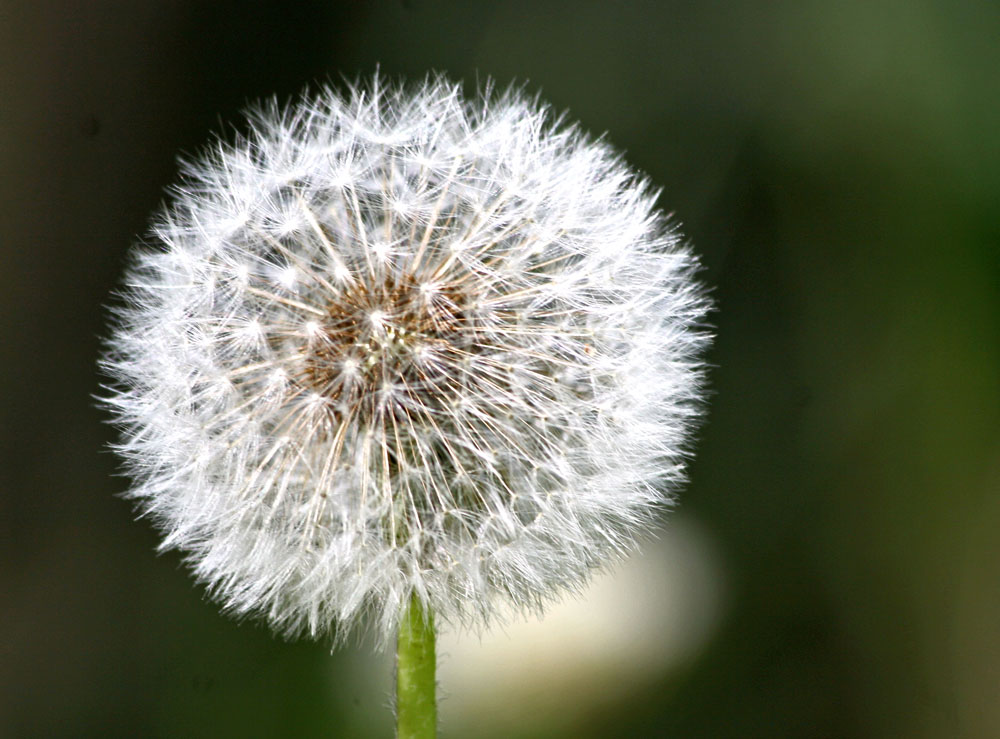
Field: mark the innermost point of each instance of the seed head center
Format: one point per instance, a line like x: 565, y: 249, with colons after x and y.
x: 377, y: 341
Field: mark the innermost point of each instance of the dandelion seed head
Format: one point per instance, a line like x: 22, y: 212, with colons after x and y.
x: 403, y: 342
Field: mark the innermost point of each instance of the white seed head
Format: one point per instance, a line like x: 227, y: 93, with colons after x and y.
x: 400, y: 342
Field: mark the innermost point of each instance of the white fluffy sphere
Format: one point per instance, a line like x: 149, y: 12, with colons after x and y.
x: 402, y: 342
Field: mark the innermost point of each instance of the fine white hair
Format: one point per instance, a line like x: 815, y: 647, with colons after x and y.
x: 398, y: 342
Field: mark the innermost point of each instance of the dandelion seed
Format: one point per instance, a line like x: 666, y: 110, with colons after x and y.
x: 403, y: 344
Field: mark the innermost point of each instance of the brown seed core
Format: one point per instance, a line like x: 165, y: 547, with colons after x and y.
x: 391, y: 335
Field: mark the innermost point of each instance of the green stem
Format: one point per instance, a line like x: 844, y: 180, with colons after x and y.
x: 416, y: 705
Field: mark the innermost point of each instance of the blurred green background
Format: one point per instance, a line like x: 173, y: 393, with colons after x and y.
x: 833, y: 569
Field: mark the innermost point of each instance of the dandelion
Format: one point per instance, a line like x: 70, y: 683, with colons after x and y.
x: 402, y: 353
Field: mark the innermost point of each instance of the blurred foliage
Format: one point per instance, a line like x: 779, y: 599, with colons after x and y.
x: 836, y: 164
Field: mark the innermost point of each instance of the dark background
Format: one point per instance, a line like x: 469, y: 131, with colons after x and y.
x: 836, y: 164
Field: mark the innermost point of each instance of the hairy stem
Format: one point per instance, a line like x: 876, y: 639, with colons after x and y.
x: 416, y: 704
